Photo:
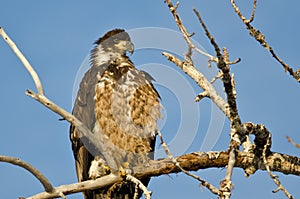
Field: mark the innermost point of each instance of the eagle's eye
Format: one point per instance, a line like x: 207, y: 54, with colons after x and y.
x: 116, y: 40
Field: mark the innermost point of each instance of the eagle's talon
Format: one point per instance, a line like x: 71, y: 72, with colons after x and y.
x: 125, y: 169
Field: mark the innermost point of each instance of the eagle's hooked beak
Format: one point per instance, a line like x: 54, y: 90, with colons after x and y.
x: 130, y: 47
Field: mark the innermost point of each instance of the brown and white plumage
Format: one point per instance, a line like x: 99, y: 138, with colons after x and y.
x: 119, y: 104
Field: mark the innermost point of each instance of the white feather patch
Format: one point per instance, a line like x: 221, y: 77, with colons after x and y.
x: 102, y: 56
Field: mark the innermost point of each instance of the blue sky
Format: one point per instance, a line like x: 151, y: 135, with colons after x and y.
x: 56, y: 37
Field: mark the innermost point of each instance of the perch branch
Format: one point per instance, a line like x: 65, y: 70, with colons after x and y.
x: 79, y: 187
x: 191, y: 162
x: 258, y: 36
x: 16, y: 161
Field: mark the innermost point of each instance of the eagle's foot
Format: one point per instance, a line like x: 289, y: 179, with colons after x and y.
x: 125, y: 169
x: 98, y: 168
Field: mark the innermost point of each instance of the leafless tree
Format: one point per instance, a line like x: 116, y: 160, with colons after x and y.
x: 241, y: 152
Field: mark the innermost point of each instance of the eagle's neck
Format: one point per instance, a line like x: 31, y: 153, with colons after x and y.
x: 100, y: 55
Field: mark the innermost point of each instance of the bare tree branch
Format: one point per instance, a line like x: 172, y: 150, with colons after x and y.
x: 237, y: 138
x: 174, y: 160
x: 185, y: 33
x: 79, y: 187
x: 238, y: 134
x: 201, y: 80
x: 280, y: 187
x: 16, y: 161
x: 226, y: 77
x: 258, y: 36
x: 23, y: 59
x: 191, y: 162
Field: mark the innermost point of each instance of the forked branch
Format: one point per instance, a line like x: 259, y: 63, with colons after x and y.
x: 259, y: 36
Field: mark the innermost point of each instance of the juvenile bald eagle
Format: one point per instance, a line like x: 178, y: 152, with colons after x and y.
x: 120, y: 106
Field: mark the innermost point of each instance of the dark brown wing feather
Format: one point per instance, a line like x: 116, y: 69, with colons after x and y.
x: 84, y: 111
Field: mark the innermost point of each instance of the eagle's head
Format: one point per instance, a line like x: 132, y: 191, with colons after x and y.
x: 113, y: 45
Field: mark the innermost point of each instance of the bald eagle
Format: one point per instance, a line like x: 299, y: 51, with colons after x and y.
x: 120, y: 106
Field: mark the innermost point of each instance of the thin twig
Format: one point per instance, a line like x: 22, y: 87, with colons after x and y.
x: 209, y: 186
x: 226, y: 78
x: 200, y: 96
x: 226, y: 184
x: 261, y: 39
x: 292, y: 142
x: 234, y: 62
x: 136, y: 192
x: 181, y: 27
x: 187, y: 65
x: 185, y: 33
x: 210, y: 37
x: 253, y: 12
x: 211, y: 58
x: 280, y: 187
x: 23, y: 59
x: 16, y: 161
x: 218, y: 76
x: 62, y: 195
